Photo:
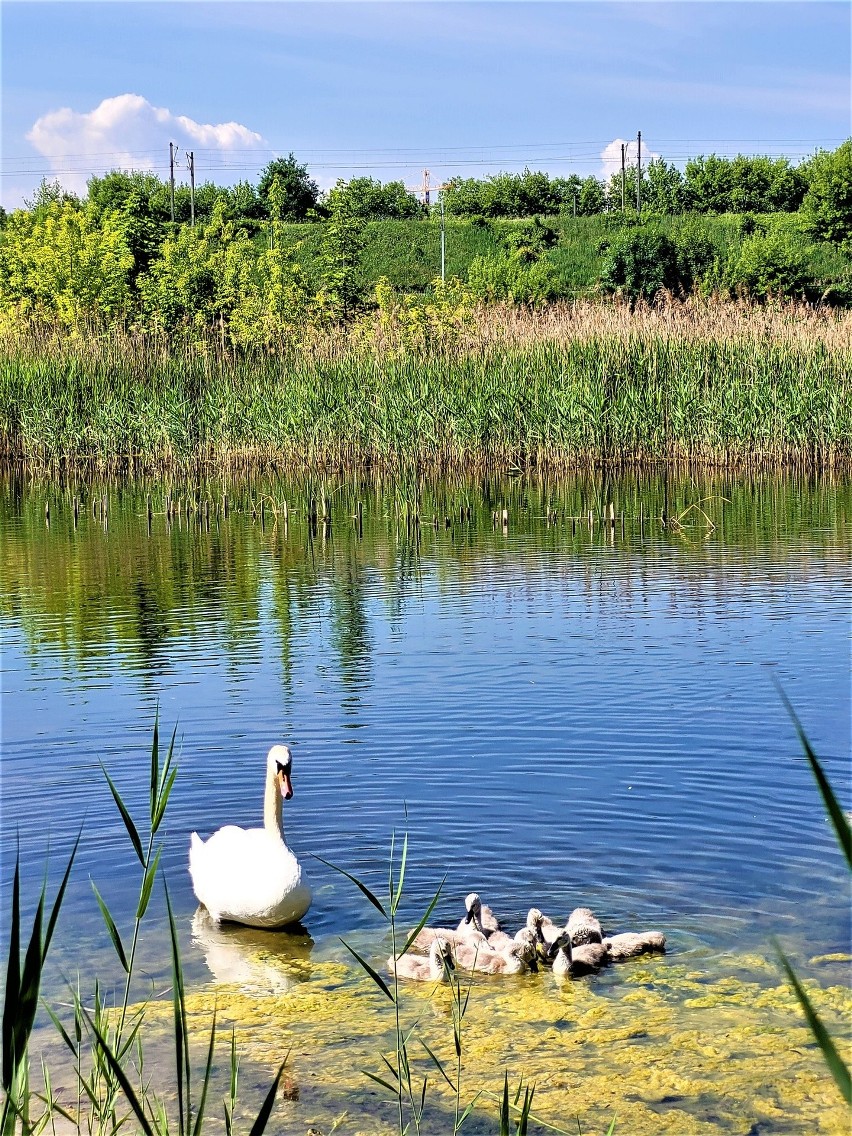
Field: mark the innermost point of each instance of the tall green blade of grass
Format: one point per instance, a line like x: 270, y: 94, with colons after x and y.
x: 22, y: 990
x: 823, y: 1038
x: 833, y: 808
x: 835, y: 1063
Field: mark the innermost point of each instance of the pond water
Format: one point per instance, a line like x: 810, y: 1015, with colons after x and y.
x: 559, y: 711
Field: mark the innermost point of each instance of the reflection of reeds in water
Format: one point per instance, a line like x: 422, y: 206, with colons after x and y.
x: 715, y: 383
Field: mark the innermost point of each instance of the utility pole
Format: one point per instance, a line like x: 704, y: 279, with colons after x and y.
x: 192, y: 188
x: 443, y: 236
x: 425, y: 189
x: 639, y: 173
x: 172, y: 177
x: 623, y: 159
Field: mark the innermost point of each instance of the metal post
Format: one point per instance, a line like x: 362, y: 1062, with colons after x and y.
x: 443, y: 237
x: 172, y: 178
x: 192, y: 188
x: 623, y: 159
x: 639, y: 173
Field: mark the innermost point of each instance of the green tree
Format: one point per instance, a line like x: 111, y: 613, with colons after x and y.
x: 58, y: 261
x: 591, y: 198
x: 300, y: 193
x: 340, y: 258
x: 200, y: 275
x: 50, y: 193
x: 662, y: 188
x: 370, y: 200
x: 827, y: 205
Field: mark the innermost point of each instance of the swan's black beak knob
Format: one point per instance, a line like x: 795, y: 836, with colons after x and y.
x: 284, y: 783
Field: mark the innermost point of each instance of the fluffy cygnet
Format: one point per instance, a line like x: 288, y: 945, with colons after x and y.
x: 435, y: 968
x: 542, y: 927
x: 631, y: 943
x: 479, y: 914
x: 583, y: 927
x: 574, y: 962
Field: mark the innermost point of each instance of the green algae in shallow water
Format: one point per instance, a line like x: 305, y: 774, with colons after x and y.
x: 668, y: 1048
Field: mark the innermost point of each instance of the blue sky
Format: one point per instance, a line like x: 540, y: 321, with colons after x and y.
x: 387, y: 89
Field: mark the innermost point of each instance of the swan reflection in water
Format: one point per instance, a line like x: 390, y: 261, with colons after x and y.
x: 271, y: 962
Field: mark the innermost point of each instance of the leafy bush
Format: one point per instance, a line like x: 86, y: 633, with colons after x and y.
x: 639, y: 264
x: 768, y: 264
x: 511, y: 278
x: 299, y: 194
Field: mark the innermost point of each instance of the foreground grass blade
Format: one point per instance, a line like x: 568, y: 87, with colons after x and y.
x: 22, y: 987
x: 374, y: 974
x: 437, y: 1063
x: 112, y: 929
x: 206, y: 1083
x: 120, y: 1075
x: 155, y: 763
x: 425, y: 917
x: 11, y: 1006
x: 147, y: 886
x: 401, y: 880
x: 835, y: 812
x: 833, y: 1059
x: 132, y: 831
x: 60, y: 895
x: 180, y: 1025
x: 266, y: 1108
x: 362, y: 887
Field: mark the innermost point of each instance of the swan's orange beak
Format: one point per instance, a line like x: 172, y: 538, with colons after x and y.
x: 285, y: 784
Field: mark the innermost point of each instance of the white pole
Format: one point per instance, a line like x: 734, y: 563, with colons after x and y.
x: 443, y: 239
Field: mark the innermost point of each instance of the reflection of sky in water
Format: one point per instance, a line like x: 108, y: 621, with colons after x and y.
x: 557, y: 728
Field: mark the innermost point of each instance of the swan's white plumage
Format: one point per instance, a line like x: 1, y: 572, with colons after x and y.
x: 249, y: 875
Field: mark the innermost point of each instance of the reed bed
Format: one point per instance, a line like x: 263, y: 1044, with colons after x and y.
x: 723, y: 384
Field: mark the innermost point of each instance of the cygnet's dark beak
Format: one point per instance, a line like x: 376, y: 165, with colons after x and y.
x: 284, y: 783
x: 468, y: 917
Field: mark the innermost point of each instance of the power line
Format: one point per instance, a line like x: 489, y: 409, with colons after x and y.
x: 418, y: 151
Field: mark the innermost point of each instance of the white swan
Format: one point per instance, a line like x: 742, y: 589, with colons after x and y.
x: 249, y: 875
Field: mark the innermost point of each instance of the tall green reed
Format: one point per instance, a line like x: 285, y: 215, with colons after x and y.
x: 834, y: 1062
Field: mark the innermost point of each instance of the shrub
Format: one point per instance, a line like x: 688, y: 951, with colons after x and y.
x: 639, y: 264
x: 512, y: 278
x: 768, y: 264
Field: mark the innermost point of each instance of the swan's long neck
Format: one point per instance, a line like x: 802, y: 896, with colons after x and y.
x: 272, y: 819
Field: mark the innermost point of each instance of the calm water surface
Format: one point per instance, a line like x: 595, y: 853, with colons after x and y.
x: 556, y: 714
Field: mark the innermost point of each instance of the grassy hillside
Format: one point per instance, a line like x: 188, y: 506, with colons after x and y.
x: 408, y: 253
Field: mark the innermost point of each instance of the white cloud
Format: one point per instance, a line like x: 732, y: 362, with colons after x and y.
x: 128, y: 132
x: 611, y: 156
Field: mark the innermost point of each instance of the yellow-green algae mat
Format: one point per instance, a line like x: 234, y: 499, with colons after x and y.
x: 665, y: 1047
